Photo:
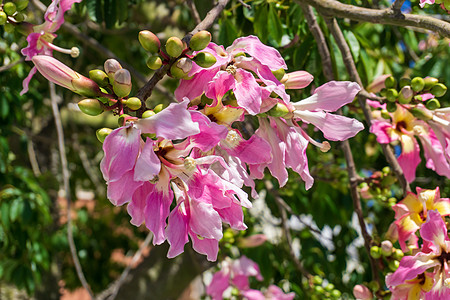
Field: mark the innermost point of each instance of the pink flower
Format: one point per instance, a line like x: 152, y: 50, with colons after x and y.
x: 40, y: 40
x: 361, y: 292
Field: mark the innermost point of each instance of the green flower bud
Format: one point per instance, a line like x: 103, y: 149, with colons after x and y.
x: 102, y: 134
x: 439, y: 90
x: 398, y: 254
x: 385, y: 114
x: 391, y: 95
x: 418, y: 98
x: 90, y: 107
x: 391, y: 107
x: 279, y: 74
x: 375, y: 252
x: 9, y: 28
x: 19, y: 17
x: 386, y: 170
x: 433, y: 104
x: 205, y: 59
x: 374, y: 285
x: 417, y: 84
x: 85, y: 87
x: 181, y: 68
x: 99, y: 77
x: 174, y: 46
x: 3, y: 18
x: 149, y: 41
x: 405, y: 95
x: 319, y: 289
x: 393, y: 265
x: 404, y: 81
x: 317, y: 280
x: 200, y: 40
x: 383, y: 92
x: 9, y: 8
x: 279, y: 110
x: 336, y: 294
x: 158, y: 108
x: 148, y: 114
x: 386, y: 248
x: 154, y: 62
x: 122, y: 83
x: 390, y: 82
x: 329, y: 287
x: 421, y: 113
x: 21, y: 4
x: 133, y: 103
x: 430, y: 82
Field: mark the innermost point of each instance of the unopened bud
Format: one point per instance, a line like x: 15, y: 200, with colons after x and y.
x: 102, y: 134
x: 90, y: 107
x: 433, y: 104
x: 279, y: 74
x: 391, y: 95
x: 149, y: 41
x: 122, y: 83
x: 3, y: 18
x: 200, y: 40
x: 111, y: 67
x: 430, y: 82
x: 378, y: 84
x: 154, y: 62
x: 374, y: 286
x: 279, y: 110
x: 362, y: 292
x: 181, y: 68
x: 390, y: 82
x: 148, y: 114
x: 9, y: 28
x: 85, y: 87
x: 375, y: 252
x: 99, y: 77
x: 439, y: 90
x: 205, y: 59
x: 174, y: 46
x: 404, y: 81
x: 383, y: 92
x: 417, y: 84
x: 9, y: 8
x: 398, y: 254
x: 252, y: 241
x: 393, y: 265
x: 297, y: 80
x: 133, y: 103
x: 19, y: 17
x: 158, y: 108
x: 421, y: 113
x: 21, y: 4
x: 405, y: 95
x: 385, y: 114
x: 386, y: 248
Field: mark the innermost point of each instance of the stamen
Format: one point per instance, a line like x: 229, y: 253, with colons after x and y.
x: 74, y: 51
x: 418, y: 130
x: 447, y: 283
x: 441, y: 121
x: 324, y: 146
x: 232, y: 138
x: 189, y: 163
x: 231, y: 69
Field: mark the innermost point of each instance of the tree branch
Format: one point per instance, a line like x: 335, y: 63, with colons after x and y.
x: 194, y: 11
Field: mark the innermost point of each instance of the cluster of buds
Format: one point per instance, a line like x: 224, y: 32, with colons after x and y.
x: 318, y: 289
x: 388, y: 253
x: 378, y: 186
x: 11, y: 13
x: 177, y: 54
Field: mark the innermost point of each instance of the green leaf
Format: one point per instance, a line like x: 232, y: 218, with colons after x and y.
x: 122, y: 10
x: 274, y: 23
x: 110, y: 10
x: 353, y: 44
x: 260, y: 24
x: 227, y: 32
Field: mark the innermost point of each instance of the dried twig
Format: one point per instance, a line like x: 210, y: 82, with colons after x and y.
x: 194, y: 11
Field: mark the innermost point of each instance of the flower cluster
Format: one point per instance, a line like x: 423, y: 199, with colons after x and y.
x: 189, y: 156
x: 235, y: 274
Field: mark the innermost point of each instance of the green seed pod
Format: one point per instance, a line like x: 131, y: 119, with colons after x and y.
x: 9, y: 28
x: 279, y: 110
x: 391, y: 107
x: 433, y: 104
x: 174, y: 46
x: 99, y: 77
x: 200, y: 40
x: 122, y: 83
x: 148, y: 114
x: 375, y: 252
x: 390, y: 82
x: 430, y: 82
x: 102, y: 133
x: 404, y: 81
x: 149, y: 41
x: 439, y: 90
x: 383, y: 92
x: 134, y: 103
x: 181, y: 68
x: 3, y: 18
x: 205, y: 59
x: 154, y: 62
x: 391, y: 95
x: 21, y: 4
x: 406, y: 94
x: 417, y: 84
x: 421, y: 114
x: 9, y: 8
x: 279, y: 74
x: 393, y: 265
x: 90, y: 107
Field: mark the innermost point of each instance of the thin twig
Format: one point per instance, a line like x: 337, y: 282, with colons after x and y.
x: 7, y: 67
x: 244, y: 4
x: 194, y: 11
x: 32, y: 157
x: 66, y: 176
x: 397, y: 5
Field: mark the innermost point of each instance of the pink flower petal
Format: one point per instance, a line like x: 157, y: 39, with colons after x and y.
x: 157, y: 210
x: 177, y: 230
x: 148, y: 164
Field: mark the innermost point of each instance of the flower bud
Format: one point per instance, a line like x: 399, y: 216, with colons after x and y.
x: 417, y: 84
x: 9, y: 8
x: 421, y: 113
x: 375, y: 252
x: 432, y: 104
x: 391, y: 95
x: 133, y: 103
x: 154, y: 62
x: 386, y: 248
x: 111, y: 66
x: 3, y: 18
x: 378, y: 84
x: 430, y: 82
x: 279, y: 110
x: 317, y: 280
x: 374, y: 286
x: 102, y: 134
x: 99, y: 77
x: 279, y: 74
x: 148, y: 114
x: 393, y: 265
x: 297, y: 80
x: 362, y: 292
x: 19, y: 17
x: 385, y: 114
x: 200, y: 40
x: 398, y: 254
x: 405, y: 95
x: 205, y: 59
x: 439, y: 90
x: 383, y: 92
x: 9, y: 28
x: 390, y: 82
x: 391, y: 107
x: 21, y: 4
x: 122, y: 83
x: 252, y: 241
x: 181, y: 68
x: 174, y: 46
x: 149, y: 41
x: 90, y: 107
x: 404, y: 82
x: 85, y: 87
x: 158, y: 108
